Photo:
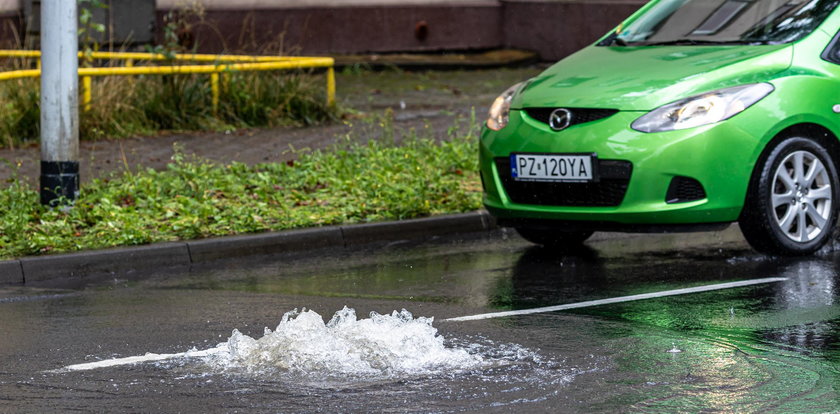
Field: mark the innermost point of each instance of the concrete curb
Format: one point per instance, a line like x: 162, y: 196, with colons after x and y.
x: 11, y: 273
x: 101, y: 262
x: 124, y: 260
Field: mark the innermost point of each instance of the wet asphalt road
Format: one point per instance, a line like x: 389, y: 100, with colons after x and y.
x: 771, y: 347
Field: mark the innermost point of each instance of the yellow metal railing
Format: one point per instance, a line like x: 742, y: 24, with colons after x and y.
x: 222, y: 64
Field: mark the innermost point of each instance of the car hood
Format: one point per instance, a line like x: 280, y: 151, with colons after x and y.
x: 644, y: 78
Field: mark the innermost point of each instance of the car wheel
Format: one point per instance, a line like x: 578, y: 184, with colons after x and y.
x: 790, y: 207
x: 553, y: 237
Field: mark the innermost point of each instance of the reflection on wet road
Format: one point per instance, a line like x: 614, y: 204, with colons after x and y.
x: 769, y: 347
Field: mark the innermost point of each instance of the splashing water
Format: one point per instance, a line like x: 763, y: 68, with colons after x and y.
x: 390, y: 361
x: 395, y: 344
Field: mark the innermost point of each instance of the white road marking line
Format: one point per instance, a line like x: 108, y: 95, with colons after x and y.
x: 653, y: 295
x: 150, y: 357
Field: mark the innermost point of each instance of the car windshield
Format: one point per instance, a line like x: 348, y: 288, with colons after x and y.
x: 710, y: 22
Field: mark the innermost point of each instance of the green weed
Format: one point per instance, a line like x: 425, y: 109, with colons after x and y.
x: 125, y: 106
x: 352, y: 182
x: 271, y: 99
x: 21, y: 116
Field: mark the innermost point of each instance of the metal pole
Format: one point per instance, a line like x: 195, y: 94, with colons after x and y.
x: 59, y: 101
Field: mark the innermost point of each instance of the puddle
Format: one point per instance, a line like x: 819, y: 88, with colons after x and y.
x: 768, y: 348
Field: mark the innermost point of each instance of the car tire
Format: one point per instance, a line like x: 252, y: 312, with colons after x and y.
x: 553, y: 237
x: 790, y: 207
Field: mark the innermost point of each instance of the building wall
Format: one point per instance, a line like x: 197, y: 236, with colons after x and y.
x: 553, y: 28
x: 351, y: 30
x: 11, y: 23
x: 10, y: 6
x: 557, y: 29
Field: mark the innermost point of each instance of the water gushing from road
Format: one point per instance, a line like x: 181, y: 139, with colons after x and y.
x: 381, y: 346
x: 394, y: 344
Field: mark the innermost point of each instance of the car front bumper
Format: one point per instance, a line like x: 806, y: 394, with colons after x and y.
x: 720, y: 157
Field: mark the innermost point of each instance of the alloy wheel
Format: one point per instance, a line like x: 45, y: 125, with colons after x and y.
x: 801, y: 196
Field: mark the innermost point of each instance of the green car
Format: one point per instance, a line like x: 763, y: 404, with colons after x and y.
x: 691, y: 115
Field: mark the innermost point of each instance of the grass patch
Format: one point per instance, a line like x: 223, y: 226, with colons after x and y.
x: 398, y: 176
x: 21, y: 116
x: 142, y: 105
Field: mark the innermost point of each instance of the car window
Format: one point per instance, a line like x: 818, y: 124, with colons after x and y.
x: 832, y: 52
x: 691, y: 22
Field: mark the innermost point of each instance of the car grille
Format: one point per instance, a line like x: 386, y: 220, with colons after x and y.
x: 608, y: 191
x: 579, y: 115
x: 684, y: 189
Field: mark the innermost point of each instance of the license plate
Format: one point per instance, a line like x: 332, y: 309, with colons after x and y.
x: 553, y: 167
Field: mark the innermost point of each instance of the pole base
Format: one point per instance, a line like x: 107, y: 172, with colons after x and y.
x: 59, y: 181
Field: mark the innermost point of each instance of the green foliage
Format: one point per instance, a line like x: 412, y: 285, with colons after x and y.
x: 86, y: 23
x: 21, y: 114
x: 89, y: 30
x: 249, y: 98
x: 192, y: 198
x: 180, y: 103
x: 125, y: 106
x: 177, y: 28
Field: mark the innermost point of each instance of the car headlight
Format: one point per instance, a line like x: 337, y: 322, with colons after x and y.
x: 499, y: 113
x: 704, y: 109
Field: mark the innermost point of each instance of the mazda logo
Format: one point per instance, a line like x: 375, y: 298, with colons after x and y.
x: 560, y: 119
